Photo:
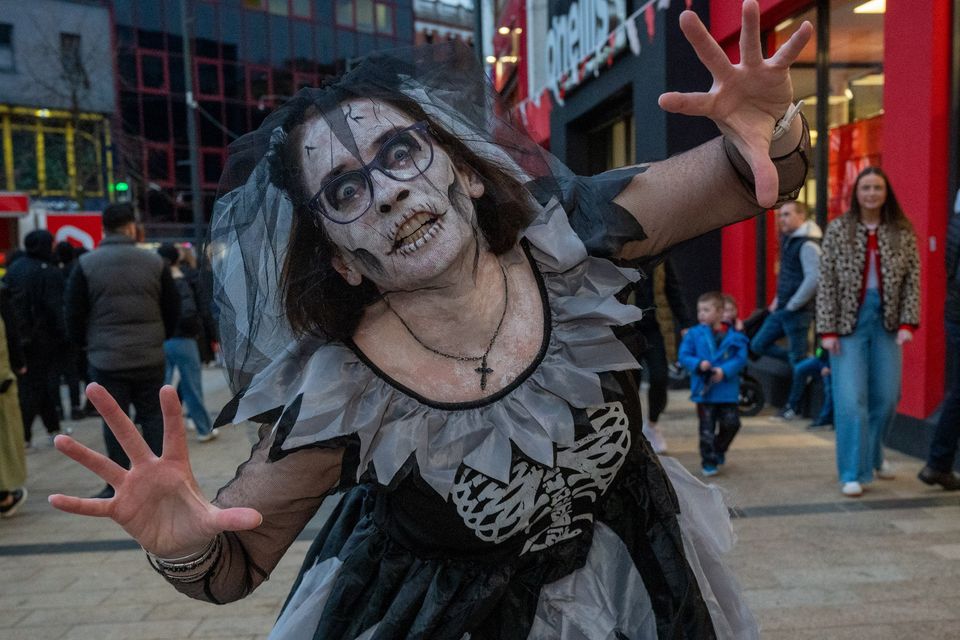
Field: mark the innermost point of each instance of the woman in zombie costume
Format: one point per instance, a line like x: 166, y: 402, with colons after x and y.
x: 417, y: 306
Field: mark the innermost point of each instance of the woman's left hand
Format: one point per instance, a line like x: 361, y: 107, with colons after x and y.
x: 746, y: 99
x: 904, y: 336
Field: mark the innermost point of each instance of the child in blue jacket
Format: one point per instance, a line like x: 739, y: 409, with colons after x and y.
x: 714, y: 353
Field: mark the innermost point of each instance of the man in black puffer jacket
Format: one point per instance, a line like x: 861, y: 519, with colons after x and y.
x: 943, y: 448
x: 122, y: 303
x: 36, y: 286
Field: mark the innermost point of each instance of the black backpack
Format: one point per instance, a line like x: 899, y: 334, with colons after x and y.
x: 189, y: 323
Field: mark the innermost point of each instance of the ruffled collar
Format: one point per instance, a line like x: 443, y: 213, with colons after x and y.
x: 319, y: 392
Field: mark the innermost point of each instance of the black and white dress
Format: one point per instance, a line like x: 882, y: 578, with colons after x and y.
x: 539, y: 512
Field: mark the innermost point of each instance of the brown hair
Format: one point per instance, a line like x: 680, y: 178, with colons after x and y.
x: 801, y: 207
x: 316, y: 299
x: 713, y: 297
x: 890, y: 213
x: 729, y: 299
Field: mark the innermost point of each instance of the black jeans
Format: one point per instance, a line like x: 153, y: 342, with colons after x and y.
x: 943, y: 447
x: 39, y: 393
x: 719, y: 423
x: 69, y: 372
x: 654, y: 357
x: 141, y: 388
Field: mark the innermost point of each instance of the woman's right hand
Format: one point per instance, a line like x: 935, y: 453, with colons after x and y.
x: 157, y: 501
x: 831, y: 344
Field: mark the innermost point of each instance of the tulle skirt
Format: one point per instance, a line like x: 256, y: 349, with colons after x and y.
x: 605, y: 598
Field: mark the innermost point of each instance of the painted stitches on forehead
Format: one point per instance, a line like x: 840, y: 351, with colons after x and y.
x: 364, y: 125
x: 375, y: 146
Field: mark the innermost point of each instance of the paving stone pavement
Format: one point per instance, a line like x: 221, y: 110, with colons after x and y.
x: 814, y: 565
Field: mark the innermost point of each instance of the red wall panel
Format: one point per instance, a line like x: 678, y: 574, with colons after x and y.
x: 725, y: 17
x: 915, y: 148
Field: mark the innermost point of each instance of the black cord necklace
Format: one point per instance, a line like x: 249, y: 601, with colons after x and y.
x: 483, y: 369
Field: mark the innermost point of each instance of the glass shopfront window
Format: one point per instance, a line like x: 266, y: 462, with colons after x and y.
x: 854, y: 90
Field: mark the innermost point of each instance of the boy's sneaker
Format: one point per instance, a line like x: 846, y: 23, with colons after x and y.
x: 19, y: 497
x: 787, y: 414
x: 886, y: 471
x: 652, y: 433
x: 708, y: 471
x: 852, y: 489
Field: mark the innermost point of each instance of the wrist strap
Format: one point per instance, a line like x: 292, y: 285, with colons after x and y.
x: 783, y: 124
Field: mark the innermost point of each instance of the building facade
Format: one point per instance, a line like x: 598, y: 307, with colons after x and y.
x: 881, y: 85
x: 443, y: 20
x: 585, y: 79
x: 56, y: 101
x: 249, y: 56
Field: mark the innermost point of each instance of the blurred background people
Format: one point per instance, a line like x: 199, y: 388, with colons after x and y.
x: 647, y: 344
x: 36, y: 286
x: 731, y: 312
x: 70, y: 361
x: 181, y: 349
x: 791, y: 310
x: 13, y: 462
x: 122, y: 303
x: 868, y: 305
x: 816, y: 367
x: 943, y: 447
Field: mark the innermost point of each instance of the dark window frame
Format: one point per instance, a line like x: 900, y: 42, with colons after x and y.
x: 170, y: 180
x: 264, y: 6
x: 250, y: 70
x: 12, y: 67
x: 393, y: 19
x: 213, y: 62
x: 165, y: 89
x: 352, y: 25
x: 211, y: 151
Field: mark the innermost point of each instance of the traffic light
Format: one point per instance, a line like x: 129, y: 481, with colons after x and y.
x: 122, y: 191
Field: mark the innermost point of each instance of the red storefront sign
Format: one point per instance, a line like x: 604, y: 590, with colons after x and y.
x: 82, y: 229
x: 14, y: 205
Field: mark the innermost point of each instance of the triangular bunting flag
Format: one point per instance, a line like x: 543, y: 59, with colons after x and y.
x: 632, y: 36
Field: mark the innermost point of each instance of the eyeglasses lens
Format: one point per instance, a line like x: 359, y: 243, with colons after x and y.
x: 403, y: 157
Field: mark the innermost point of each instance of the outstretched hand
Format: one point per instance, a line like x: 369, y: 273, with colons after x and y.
x: 157, y: 501
x: 746, y: 99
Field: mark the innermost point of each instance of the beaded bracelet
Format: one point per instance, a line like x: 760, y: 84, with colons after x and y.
x: 187, y: 568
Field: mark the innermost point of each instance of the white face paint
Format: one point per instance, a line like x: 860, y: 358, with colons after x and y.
x: 412, y: 233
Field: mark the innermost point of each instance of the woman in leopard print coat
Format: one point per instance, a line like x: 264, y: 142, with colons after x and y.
x: 868, y: 305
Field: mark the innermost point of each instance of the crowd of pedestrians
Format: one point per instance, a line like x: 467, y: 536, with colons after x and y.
x: 120, y: 315
x: 856, y: 291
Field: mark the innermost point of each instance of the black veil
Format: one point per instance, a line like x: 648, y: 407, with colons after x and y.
x: 253, y: 215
